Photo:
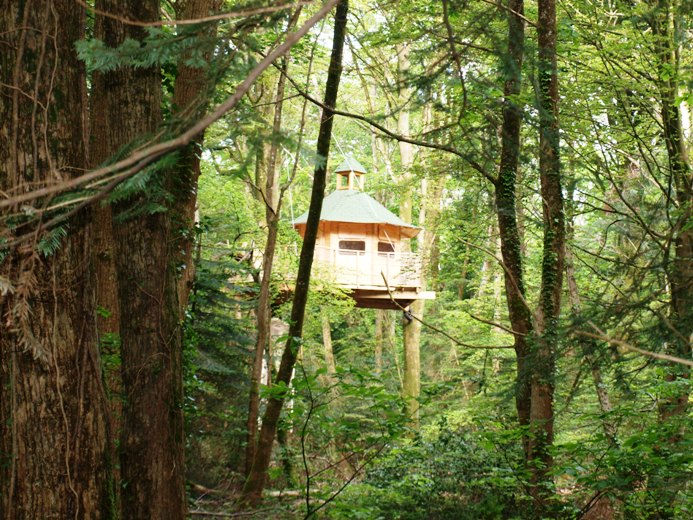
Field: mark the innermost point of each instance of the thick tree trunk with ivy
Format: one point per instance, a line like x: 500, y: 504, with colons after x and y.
x: 252, y: 491
x: 52, y: 401
x: 152, y: 435
x: 519, y: 313
x: 543, y: 351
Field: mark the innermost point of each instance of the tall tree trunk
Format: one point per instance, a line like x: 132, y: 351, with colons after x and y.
x: 411, y: 383
x: 252, y: 491
x: 433, y: 219
x: 327, y: 344
x: 110, y: 96
x: 485, y: 273
x: 152, y: 437
x: 264, y: 319
x: 263, y: 313
x: 52, y: 401
x: 191, y: 95
x: 379, y: 340
x: 385, y: 339
x: 519, y: 313
x: 553, y: 258
x: 384, y: 331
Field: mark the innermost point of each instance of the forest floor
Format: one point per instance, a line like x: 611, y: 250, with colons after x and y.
x: 215, y: 505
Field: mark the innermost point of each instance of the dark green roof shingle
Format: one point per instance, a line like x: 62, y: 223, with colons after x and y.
x: 350, y: 165
x: 357, y: 207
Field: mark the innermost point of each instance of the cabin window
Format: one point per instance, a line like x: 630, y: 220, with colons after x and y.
x: 352, y: 245
x: 386, y: 247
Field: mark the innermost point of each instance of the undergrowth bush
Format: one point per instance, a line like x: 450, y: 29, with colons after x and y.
x: 444, y: 474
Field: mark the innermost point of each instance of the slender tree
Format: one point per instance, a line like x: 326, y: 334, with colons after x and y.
x: 270, y: 196
x: 411, y: 380
x: 255, y: 483
x: 505, y: 188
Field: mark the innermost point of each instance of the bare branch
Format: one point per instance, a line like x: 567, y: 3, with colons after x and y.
x: 213, y: 18
x: 434, y: 328
x: 507, y: 271
x: 398, y: 137
x: 497, y: 325
x: 601, y: 335
x: 147, y: 156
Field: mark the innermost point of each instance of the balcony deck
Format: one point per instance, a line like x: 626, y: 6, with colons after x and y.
x: 364, y: 274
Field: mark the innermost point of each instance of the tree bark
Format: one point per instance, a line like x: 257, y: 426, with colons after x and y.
x: 252, y: 492
x: 485, y: 272
x: 519, y: 313
x: 152, y: 436
x: 385, y: 323
x: 330, y: 364
x: 110, y: 94
x: 553, y: 258
x: 191, y: 95
x: 433, y: 219
x: 52, y: 401
x: 411, y: 383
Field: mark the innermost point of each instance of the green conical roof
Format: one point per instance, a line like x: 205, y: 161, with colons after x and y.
x: 350, y: 165
x: 360, y: 208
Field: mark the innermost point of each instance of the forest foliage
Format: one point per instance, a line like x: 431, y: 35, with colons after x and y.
x: 554, y: 377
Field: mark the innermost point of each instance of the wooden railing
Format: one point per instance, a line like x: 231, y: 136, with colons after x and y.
x: 362, y: 269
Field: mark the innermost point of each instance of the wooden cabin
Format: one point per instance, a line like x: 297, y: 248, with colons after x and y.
x: 360, y: 241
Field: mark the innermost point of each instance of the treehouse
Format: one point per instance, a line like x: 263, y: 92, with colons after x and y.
x: 361, y: 245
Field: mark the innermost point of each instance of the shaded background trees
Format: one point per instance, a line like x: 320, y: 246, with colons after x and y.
x: 452, y: 107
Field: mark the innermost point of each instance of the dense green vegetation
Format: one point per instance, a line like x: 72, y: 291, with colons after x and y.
x: 544, y: 149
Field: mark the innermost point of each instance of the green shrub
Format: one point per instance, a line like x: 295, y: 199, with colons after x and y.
x: 452, y: 474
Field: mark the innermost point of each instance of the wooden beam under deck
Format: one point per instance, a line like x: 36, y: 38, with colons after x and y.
x: 380, y: 299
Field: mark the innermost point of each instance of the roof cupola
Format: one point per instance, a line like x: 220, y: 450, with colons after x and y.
x: 350, y: 175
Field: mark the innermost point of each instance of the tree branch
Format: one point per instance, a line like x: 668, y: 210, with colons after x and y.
x: 434, y: 328
x: 398, y: 137
x: 148, y: 155
x: 242, y: 13
x: 601, y: 335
